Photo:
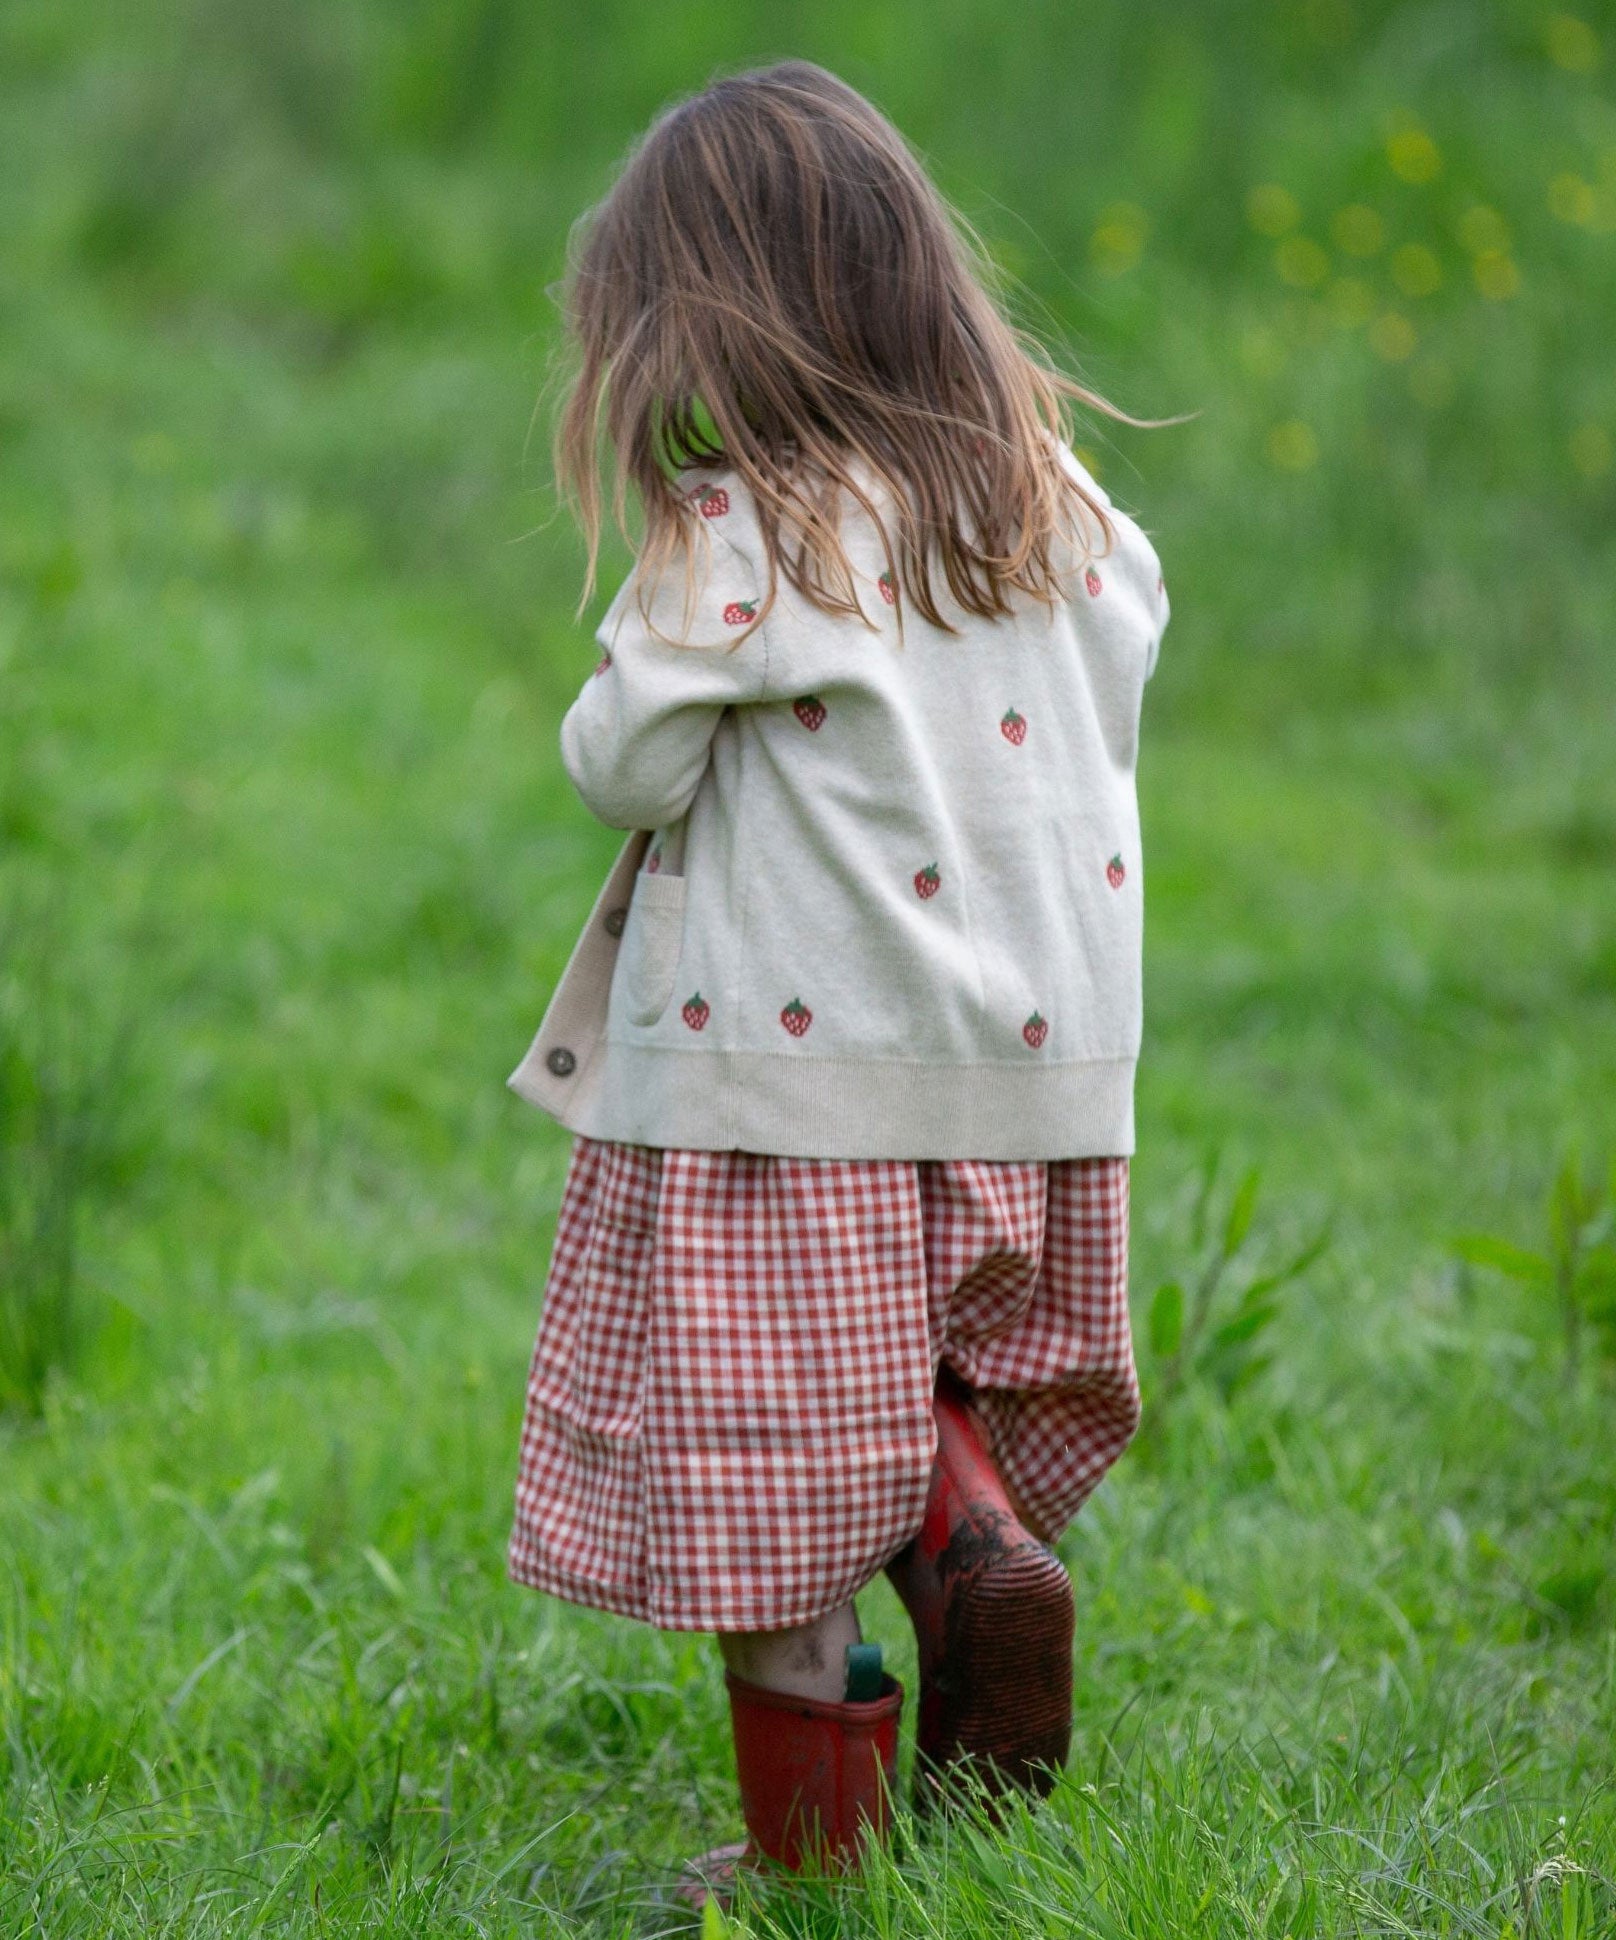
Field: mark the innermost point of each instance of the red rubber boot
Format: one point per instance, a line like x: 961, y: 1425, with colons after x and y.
x: 816, y: 1781
x: 994, y: 1618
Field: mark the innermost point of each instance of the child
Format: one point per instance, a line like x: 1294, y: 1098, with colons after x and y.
x: 848, y: 1044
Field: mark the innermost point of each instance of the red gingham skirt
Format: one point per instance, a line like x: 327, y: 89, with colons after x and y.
x: 728, y: 1421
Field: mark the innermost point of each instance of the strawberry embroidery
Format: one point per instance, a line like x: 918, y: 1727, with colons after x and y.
x: 796, y: 1017
x: 696, y: 1011
x: 810, y: 710
x: 653, y: 861
x: 738, y: 612
x: 1115, y: 874
x: 927, y: 881
x: 601, y: 664
x: 1035, y: 1030
x: 711, y: 501
x: 1013, y: 727
x: 1092, y: 580
x: 888, y: 588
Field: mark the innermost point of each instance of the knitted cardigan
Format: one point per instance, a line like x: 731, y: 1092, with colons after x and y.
x: 885, y: 896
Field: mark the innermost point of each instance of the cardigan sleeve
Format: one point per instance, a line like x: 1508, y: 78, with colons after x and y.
x: 1163, y: 610
x: 636, y: 740
x: 1135, y: 557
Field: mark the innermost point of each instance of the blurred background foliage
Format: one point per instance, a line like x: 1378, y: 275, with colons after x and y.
x: 288, y: 865
x: 1371, y: 244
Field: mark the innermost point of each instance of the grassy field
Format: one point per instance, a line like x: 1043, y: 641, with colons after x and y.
x: 288, y: 866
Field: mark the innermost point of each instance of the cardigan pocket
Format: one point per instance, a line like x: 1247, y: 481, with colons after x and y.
x: 653, y: 938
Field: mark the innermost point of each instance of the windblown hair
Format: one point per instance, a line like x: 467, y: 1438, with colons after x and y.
x: 773, y: 285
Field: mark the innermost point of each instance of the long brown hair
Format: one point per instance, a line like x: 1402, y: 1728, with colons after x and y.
x: 774, y: 285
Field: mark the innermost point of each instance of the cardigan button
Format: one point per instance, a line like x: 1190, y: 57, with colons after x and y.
x: 562, y: 1062
x: 615, y: 919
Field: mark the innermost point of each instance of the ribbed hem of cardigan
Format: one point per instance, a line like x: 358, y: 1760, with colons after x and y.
x: 851, y: 1108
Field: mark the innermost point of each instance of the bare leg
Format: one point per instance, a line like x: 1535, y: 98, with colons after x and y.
x: 809, y: 1661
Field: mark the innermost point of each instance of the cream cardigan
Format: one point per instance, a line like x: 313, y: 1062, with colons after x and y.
x: 884, y: 896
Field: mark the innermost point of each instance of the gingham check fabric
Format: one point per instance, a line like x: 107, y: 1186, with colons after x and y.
x: 728, y: 1421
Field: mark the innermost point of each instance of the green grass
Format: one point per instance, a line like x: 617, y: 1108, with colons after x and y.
x: 288, y: 866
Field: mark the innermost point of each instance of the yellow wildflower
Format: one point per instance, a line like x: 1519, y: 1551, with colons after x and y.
x: 1496, y: 275
x: 1271, y: 210
x: 1119, y: 238
x: 1292, y: 446
x: 1572, y: 43
x: 1393, y: 337
x: 1572, y: 199
x: 1357, y: 230
x: 1413, y: 155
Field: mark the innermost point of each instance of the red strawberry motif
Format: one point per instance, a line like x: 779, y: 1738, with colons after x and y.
x: 796, y: 1017
x: 1115, y: 874
x: 888, y: 588
x: 696, y: 1011
x: 653, y: 862
x: 1160, y: 586
x: 712, y: 501
x: 738, y: 612
x: 1092, y: 580
x: 927, y: 881
x: 1013, y: 727
x: 1035, y: 1030
x: 810, y: 710
x: 602, y: 663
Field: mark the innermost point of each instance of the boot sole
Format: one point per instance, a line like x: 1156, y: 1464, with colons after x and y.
x: 999, y: 1708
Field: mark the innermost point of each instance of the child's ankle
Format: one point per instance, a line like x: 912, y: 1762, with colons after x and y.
x: 808, y: 1660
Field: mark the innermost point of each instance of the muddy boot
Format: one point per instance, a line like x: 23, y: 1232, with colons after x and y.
x: 993, y: 1614
x: 816, y: 1780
